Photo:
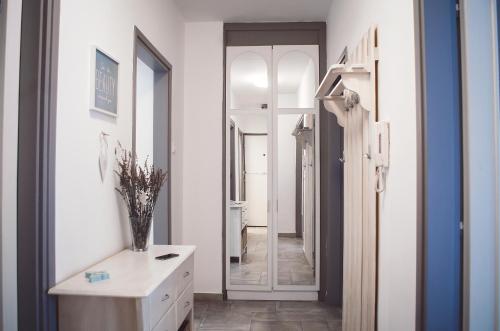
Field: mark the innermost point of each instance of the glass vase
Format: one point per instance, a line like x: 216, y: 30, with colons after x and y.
x: 140, y: 228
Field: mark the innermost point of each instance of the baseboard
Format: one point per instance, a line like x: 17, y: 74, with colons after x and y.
x: 208, y: 297
x: 287, y: 235
x: 274, y: 296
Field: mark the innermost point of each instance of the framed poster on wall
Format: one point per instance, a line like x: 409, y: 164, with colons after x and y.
x: 103, y: 83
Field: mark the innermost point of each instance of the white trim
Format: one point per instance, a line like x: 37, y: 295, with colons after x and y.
x: 273, y: 296
x: 496, y: 124
x: 283, y: 111
x: 231, y: 54
x: 278, y: 53
x: 247, y: 110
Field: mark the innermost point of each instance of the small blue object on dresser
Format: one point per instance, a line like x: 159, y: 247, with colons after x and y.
x: 96, y: 276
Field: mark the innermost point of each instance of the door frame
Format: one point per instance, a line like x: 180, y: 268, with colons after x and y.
x: 439, y: 225
x: 481, y: 265
x: 36, y: 165
x: 140, y: 40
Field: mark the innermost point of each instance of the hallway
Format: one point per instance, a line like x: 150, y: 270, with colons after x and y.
x: 172, y: 165
x: 266, y: 316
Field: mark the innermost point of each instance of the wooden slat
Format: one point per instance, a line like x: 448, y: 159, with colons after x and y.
x: 369, y: 207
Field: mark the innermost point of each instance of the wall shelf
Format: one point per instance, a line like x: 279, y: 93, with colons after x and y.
x: 346, y: 85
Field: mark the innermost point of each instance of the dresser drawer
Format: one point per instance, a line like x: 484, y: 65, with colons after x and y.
x: 185, y: 274
x: 167, y: 322
x: 161, y: 299
x: 184, y: 304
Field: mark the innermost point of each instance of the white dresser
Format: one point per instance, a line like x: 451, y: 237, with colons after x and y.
x: 141, y: 294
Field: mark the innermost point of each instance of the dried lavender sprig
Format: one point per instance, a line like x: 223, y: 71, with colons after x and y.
x: 139, y: 186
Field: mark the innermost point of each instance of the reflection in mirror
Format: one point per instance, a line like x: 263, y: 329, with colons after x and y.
x: 249, y: 82
x: 296, y: 200
x: 296, y: 81
x: 248, y: 204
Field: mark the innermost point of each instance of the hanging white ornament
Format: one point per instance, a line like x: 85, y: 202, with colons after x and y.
x: 103, y: 154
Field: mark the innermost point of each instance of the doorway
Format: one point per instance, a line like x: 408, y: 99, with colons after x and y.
x: 152, y: 124
x: 273, y: 250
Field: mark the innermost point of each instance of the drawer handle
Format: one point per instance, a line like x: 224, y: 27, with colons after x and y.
x: 187, y: 273
x: 165, y: 298
x: 187, y: 304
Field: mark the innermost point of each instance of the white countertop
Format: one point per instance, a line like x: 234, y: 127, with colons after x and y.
x: 132, y: 274
x: 237, y: 204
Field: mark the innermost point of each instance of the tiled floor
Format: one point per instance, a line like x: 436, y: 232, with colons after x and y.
x: 266, y: 316
x: 253, y: 268
x: 293, y: 268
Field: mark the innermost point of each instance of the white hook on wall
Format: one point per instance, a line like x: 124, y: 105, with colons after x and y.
x: 380, y: 186
x: 103, y: 154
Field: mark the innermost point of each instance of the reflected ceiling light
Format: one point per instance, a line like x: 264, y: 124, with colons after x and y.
x: 259, y: 81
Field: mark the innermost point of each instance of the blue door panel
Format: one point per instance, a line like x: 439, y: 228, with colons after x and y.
x: 443, y: 162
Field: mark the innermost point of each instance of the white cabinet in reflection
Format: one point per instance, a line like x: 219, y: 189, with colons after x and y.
x: 239, y: 223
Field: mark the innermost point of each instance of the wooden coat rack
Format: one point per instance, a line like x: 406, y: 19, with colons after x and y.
x: 349, y: 91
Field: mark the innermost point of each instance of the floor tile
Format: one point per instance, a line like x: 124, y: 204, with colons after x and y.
x: 266, y: 315
x: 218, y: 306
x: 293, y: 267
x: 227, y: 321
x: 330, y: 312
x: 295, y: 316
x: 315, y: 326
x: 200, y: 309
x: 275, y: 326
x: 254, y: 306
x: 335, y: 325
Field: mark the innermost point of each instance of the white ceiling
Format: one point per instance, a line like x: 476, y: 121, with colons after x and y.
x: 236, y: 11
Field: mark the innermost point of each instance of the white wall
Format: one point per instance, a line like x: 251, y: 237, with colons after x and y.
x: 144, y: 118
x: 286, y: 173
x: 9, y: 95
x: 144, y: 127
x: 347, y: 22
x: 91, y: 222
x: 306, y: 90
x: 202, y: 203
x: 237, y: 164
x: 287, y: 100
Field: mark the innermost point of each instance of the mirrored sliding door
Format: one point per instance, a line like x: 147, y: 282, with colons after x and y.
x: 248, y: 169
x: 272, y: 169
x: 296, y: 168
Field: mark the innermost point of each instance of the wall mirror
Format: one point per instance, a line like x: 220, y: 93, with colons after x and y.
x: 250, y: 86
x: 248, y: 213
x: 272, y: 171
x: 296, y: 199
